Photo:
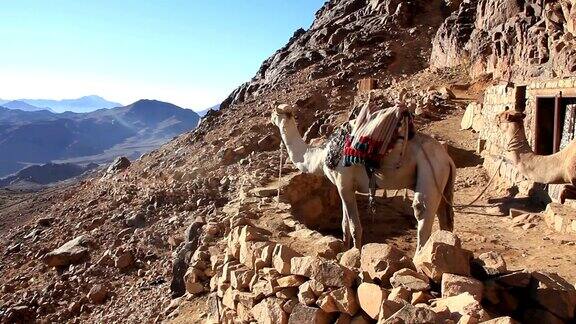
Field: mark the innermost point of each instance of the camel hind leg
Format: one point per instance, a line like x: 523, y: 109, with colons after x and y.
x: 446, y: 210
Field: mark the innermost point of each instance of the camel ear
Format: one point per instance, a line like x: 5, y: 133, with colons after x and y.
x: 517, y: 117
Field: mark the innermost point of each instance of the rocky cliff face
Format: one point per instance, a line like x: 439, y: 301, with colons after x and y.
x: 352, y: 39
x: 513, y: 40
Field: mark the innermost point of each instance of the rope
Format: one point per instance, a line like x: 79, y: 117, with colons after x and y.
x: 442, y: 191
x: 279, y: 174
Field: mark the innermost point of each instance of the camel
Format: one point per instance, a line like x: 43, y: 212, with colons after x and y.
x: 426, y: 168
x: 548, y: 169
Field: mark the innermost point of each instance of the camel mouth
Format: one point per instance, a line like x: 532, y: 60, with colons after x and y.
x: 284, y: 110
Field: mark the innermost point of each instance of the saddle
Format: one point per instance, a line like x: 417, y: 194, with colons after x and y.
x: 370, y: 139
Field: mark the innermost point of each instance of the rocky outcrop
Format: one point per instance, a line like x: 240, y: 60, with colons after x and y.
x: 73, y: 251
x: 513, y: 40
x: 119, y: 164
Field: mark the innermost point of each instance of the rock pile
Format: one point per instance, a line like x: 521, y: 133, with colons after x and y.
x: 256, y: 279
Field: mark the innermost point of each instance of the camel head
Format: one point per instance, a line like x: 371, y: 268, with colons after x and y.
x: 281, y: 114
x: 509, y: 120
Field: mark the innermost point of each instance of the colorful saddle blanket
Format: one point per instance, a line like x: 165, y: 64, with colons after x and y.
x: 371, y: 136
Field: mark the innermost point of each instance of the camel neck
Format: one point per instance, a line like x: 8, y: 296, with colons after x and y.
x: 298, y: 150
x: 534, y: 167
x: 518, y: 144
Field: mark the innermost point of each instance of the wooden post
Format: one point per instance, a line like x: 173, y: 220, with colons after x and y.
x: 557, y: 122
x: 367, y: 84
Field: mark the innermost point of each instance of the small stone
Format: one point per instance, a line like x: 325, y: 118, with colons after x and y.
x: 282, y: 257
x: 491, y: 263
x: 345, y: 299
x: 98, y: 294
x: 400, y: 294
x: 327, y: 272
x: 326, y: 303
x: 388, y: 308
x: 501, y: 320
x: 463, y: 304
x: 290, y: 281
x: 307, y: 314
x: 420, y: 297
x: 351, y: 258
x: 124, y: 259
x: 308, y: 294
x: 467, y: 319
x: 410, y: 280
x: 289, y: 305
x: 413, y: 314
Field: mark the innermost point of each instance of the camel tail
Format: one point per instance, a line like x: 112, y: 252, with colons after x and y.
x: 446, y: 209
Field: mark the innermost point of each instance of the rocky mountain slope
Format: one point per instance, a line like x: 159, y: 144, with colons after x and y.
x: 196, y: 218
x: 40, y: 137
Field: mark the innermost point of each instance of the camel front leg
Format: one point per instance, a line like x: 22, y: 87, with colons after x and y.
x: 347, y: 236
x: 425, y: 206
x: 352, y: 218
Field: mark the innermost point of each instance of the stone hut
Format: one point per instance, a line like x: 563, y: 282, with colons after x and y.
x: 550, y: 108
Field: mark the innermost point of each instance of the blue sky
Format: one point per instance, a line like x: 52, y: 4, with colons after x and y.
x: 189, y: 52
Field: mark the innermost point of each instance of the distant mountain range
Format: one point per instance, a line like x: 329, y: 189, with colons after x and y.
x: 36, y: 137
x: 45, y: 174
x: 21, y: 105
x: 80, y: 105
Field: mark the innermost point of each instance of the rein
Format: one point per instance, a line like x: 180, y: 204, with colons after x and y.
x: 442, y: 191
x: 280, y: 173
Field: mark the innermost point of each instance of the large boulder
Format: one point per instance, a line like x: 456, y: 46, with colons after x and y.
x: 327, y: 272
x: 381, y: 261
x: 441, y: 254
x: 72, y: 252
